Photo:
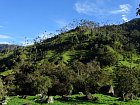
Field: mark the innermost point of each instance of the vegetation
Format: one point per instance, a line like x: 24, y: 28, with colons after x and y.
x: 82, y: 59
x: 2, y: 91
x: 75, y: 100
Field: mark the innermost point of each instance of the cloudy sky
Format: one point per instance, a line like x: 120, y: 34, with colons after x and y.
x: 22, y: 20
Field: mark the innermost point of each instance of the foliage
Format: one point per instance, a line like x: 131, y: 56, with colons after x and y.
x: 42, y: 83
x: 2, y: 91
x: 127, y: 81
x: 84, y: 58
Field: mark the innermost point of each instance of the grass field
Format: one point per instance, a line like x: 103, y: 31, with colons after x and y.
x: 74, y: 100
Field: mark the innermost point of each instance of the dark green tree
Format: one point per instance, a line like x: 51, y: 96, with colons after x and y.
x: 10, y: 84
x: 126, y: 82
x: 42, y: 83
x: 138, y: 10
x: 107, y: 56
x: 97, y: 77
x: 2, y: 91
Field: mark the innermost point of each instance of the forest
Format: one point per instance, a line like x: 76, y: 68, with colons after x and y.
x: 84, y: 58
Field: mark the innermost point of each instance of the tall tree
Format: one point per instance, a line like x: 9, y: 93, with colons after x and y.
x: 2, y: 92
x: 138, y: 10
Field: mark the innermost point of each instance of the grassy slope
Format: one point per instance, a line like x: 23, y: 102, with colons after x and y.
x: 103, y: 100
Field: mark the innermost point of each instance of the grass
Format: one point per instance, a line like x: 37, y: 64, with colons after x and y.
x: 74, y: 100
x: 66, y: 56
x: 127, y: 64
x: 5, y: 73
x: 5, y: 55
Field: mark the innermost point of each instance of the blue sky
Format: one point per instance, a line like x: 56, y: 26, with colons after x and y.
x: 27, y: 19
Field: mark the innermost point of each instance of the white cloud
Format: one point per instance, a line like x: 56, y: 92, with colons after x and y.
x: 5, y: 43
x: 124, y: 8
x: 124, y: 18
x: 84, y: 8
x: 91, y: 8
x: 4, y: 36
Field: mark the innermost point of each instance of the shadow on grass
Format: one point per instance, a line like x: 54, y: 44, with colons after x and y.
x: 78, y: 100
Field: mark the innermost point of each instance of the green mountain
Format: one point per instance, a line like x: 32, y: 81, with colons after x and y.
x: 110, y: 45
x: 84, y: 58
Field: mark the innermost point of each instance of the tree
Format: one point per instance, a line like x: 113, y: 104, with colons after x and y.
x: 9, y: 84
x: 42, y: 83
x: 89, y: 77
x: 107, y: 56
x: 138, y: 10
x: 97, y: 77
x: 62, y: 79
x: 2, y: 92
x: 24, y: 79
x: 30, y: 82
x: 126, y: 82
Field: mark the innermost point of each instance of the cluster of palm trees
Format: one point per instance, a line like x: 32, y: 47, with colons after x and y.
x: 138, y: 10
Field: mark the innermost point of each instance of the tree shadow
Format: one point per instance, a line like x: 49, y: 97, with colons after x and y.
x: 78, y: 100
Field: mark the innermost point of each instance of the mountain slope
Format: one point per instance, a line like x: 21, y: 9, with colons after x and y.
x: 98, y: 44
x: 82, y: 59
x: 110, y: 45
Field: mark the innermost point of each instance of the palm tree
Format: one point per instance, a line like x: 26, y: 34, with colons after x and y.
x: 138, y: 10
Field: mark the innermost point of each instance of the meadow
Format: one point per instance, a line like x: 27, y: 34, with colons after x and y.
x: 98, y: 99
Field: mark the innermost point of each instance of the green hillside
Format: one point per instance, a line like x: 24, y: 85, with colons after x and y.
x: 82, y: 59
x: 103, y: 44
x: 87, y: 44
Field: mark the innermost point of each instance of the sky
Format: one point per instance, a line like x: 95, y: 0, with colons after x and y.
x: 22, y: 20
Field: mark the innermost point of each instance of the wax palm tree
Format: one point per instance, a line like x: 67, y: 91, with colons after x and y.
x: 138, y: 10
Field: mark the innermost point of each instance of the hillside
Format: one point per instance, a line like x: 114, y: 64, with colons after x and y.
x: 110, y: 45
x: 82, y: 59
x: 85, y: 45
